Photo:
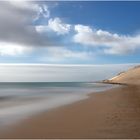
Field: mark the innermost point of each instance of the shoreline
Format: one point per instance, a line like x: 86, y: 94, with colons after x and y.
x: 114, y: 113
x: 112, y: 83
x: 16, y: 111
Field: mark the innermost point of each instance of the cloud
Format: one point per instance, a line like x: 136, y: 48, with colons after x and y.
x: 15, y: 23
x: 19, y: 4
x: 58, y: 26
x: 16, y: 28
x: 55, y: 25
x: 42, y: 12
x: 62, y: 53
x: 112, y: 43
x: 8, y: 49
x: 18, y: 35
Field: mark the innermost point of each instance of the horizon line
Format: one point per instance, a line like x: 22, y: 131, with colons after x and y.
x: 37, y: 64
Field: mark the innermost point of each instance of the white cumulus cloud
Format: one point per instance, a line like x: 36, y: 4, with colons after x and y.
x: 55, y: 25
x: 112, y: 43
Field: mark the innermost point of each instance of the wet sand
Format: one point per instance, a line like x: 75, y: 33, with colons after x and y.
x: 110, y: 114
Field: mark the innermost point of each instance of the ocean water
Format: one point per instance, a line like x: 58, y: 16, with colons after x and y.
x: 20, y: 100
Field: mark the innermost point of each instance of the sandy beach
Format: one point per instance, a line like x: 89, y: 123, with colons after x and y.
x: 111, y: 114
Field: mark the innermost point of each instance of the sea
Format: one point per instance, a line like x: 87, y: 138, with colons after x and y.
x: 21, y: 100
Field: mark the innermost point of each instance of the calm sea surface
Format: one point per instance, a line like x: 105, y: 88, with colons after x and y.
x: 20, y: 100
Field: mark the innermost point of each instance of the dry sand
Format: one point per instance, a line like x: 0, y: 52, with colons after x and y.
x: 132, y: 76
x: 110, y: 114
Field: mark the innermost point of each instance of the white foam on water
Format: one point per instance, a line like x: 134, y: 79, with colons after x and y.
x: 11, y: 115
x: 35, y: 101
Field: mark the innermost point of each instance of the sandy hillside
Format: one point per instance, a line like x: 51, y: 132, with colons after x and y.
x: 132, y: 76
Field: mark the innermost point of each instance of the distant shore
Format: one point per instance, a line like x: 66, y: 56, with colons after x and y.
x: 109, y: 114
x: 110, y: 82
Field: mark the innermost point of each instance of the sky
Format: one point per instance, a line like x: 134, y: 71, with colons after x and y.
x: 70, y: 32
x: 59, y: 73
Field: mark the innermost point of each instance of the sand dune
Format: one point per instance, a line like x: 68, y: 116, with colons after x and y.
x: 132, y: 76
